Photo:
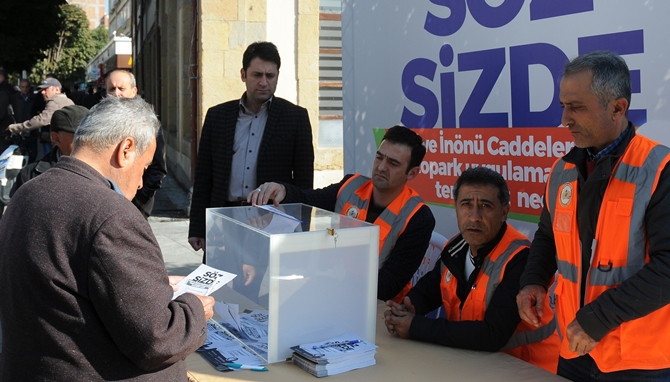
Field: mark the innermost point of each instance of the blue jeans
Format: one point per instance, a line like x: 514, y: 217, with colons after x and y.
x: 584, y: 368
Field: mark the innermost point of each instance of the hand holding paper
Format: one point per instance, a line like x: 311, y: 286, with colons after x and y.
x: 203, y: 281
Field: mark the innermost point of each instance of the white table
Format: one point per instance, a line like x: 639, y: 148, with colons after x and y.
x: 397, y: 360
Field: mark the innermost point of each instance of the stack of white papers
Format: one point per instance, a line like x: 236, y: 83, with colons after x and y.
x: 222, y: 349
x: 250, y: 327
x: 240, y: 339
x: 334, y: 356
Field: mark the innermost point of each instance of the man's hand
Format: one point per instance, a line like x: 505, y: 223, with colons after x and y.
x: 580, y: 342
x: 531, y: 296
x: 15, y: 128
x: 265, y: 192
x: 399, y: 318
x: 208, y: 305
x: 174, y: 280
x: 197, y: 243
x: 249, y: 272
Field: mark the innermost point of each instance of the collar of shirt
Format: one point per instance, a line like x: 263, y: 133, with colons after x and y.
x: 244, y: 109
x: 114, y: 186
x: 249, y: 131
x: 612, y: 147
x: 458, y: 252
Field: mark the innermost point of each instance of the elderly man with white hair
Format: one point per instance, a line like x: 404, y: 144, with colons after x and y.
x: 84, y: 294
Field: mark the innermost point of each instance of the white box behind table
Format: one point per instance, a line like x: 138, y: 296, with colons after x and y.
x: 321, y: 272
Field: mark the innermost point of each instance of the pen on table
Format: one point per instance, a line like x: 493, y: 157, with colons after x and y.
x: 350, y: 342
x: 246, y: 367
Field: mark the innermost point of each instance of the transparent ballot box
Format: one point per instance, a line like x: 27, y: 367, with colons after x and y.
x: 313, y: 271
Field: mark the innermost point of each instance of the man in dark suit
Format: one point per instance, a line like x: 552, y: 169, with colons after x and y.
x: 26, y: 98
x: 6, y: 99
x: 247, y: 142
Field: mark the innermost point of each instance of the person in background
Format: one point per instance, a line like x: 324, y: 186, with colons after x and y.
x: 25, y: 101
x: 51, y: 92
x: 476, y: 280
x: 84, y: 294
x: 64, y: 123
x: 255, y: 139
x: 26, y: 98
x: 406, y: 222
x: 603, y: 228
x: 6, y: 98
x: 121, y: 83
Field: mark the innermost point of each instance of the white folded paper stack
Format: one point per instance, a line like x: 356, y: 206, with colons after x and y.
x: 334, y: 356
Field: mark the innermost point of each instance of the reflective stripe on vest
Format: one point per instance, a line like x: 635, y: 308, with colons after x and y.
x: 348, y: 194
x: 562, y: 173
x: 390, y: 218
x: 567, y: 270
x: 644, y: 178
x: 531, y: 336
x: 494, y: 269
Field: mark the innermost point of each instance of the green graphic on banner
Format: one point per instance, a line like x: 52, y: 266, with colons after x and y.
x: 379, y: 134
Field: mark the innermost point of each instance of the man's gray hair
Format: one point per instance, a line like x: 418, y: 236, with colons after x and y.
x: 611, y: 77
x: 114, y: 119
x: 133, y: 83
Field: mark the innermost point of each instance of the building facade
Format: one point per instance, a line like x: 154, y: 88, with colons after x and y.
x: 118, y: 53
x: 95, y: 11
x: 120, y: 23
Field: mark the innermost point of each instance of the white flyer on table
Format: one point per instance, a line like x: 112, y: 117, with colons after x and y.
x: 203, y: 281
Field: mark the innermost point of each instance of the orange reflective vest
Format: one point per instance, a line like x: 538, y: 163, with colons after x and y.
x: 538, y: 346
x: 618, y: 251
x: 353, y: 200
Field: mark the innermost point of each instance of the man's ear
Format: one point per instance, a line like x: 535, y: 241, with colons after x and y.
x: 243, y: 75
x: 505, y: 212
x: 126, y: 151
x: 55, y: 138
x: 413, y: 172
x: 620, y: 106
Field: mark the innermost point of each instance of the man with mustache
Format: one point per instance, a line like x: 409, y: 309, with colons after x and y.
x: 603, y: 228
x: 477, y: 280
x: 405, y: 221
